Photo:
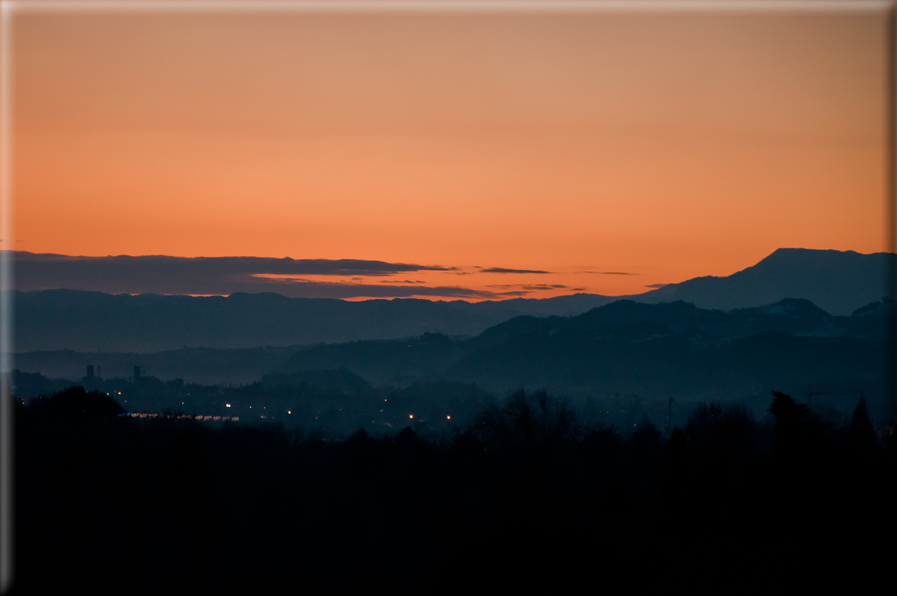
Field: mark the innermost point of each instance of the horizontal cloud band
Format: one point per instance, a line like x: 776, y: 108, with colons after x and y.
x: 221, y: 275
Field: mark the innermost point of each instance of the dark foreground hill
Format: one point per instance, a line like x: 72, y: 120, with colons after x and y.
x: 525, y: 500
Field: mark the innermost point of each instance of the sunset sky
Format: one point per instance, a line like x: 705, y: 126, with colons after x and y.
x: 598, y: 152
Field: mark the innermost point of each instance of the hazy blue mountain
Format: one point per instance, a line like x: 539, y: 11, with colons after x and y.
x: 622, y: 348
x: 837, y: 282
x: 93, y: 321
x: 194, y: 365
x: 678, y: 346
x: 638, y: 348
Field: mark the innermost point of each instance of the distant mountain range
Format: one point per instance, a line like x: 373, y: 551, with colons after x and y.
x: 622, y: 348
x: 635, y: 347
x: 836, y: 282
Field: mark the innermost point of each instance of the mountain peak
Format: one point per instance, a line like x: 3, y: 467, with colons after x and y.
x: 805, y: 255
x: 837, y: 281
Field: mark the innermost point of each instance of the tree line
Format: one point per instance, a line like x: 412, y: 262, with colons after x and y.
x: 526, y: 495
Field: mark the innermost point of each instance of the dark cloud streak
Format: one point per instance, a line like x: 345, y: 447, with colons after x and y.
x: 503, y: 270
x: 611, y: 273
x: 218, y: 275
x: 529, y: 286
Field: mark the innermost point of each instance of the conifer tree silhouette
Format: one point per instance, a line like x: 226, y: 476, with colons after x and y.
x: 861, y: 434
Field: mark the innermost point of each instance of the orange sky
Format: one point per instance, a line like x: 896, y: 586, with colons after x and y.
x: 664, y: 146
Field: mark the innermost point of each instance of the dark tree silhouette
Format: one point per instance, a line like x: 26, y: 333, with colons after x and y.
x: 721, y: 433
x: 790, y: 418
x: 861, y: 434
x: 76, y: 402
x: 786, y: 410
x: 527, y: 421
x: 150, y: 504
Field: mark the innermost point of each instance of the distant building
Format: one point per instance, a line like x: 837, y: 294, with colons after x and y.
x: 90, y: 380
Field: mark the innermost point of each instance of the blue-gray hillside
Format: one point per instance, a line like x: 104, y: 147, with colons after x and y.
x: 838, y: 282
x: 93, y: 321
x: 651, y: 350
x: 626, y: 347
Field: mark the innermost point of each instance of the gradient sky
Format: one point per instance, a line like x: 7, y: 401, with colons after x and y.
x: 586, y: 146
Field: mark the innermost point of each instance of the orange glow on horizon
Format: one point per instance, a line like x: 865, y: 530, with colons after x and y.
x: 615, y: 153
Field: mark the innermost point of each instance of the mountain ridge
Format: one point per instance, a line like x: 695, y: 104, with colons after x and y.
x: 610, y: 349
x: 838, y: 282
